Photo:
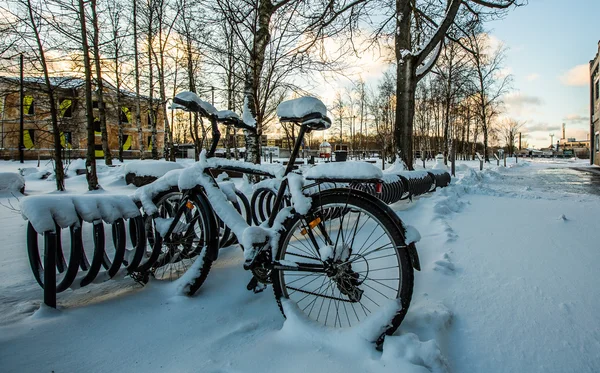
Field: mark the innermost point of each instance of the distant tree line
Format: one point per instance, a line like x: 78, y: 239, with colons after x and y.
x: 260, y: 52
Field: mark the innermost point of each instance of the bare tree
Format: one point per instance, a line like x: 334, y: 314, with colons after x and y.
x: 118, y: 29
x: 99, y: 82
x: 90, y: 160
x: 509, y: 129
x: 420, y: 32
x: 490, y: 83
x: 452, y: 75
x: 136, y: 67
x: 30, y: 17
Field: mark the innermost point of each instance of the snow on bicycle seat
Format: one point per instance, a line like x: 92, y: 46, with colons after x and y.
x: 344, y: 172
x: 231, y: 118
x: 189, y: 101
x: 309, y: 111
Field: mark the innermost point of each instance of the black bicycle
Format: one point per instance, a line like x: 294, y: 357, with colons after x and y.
x: 337, y: 254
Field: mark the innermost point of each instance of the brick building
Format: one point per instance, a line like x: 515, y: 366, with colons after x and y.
x: 70, y: 96
x: 595, y: 109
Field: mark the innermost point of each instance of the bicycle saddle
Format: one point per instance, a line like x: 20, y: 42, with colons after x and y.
x: 189, y: 101
x: 309, y: 111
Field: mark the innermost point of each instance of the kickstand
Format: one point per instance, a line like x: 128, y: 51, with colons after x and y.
x: 256, y: 286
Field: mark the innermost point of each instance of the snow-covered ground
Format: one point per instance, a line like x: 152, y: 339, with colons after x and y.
x: 509, y: 284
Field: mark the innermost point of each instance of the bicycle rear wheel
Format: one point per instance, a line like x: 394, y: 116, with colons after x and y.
x: 364, y: 266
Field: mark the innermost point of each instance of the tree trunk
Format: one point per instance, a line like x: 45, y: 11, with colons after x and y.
x: 151, y: 112
x: 100, y: 83
x: 138, y: 115
x: 90, y: 160
x: 405, y: 111
x: 56, y: 135
x: 406, y: 82
x: 252, y: 80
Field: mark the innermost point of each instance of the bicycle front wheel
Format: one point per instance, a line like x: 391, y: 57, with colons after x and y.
x: 361, y: 261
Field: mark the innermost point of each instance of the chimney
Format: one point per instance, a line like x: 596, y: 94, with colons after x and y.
x: 563, y: 136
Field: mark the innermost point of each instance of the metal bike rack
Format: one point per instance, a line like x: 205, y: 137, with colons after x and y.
x: 406, y: 184
x: 78, y: 270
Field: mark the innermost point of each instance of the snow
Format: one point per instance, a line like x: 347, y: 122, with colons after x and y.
x: 146, y: 193
x: 507, y: 285
x: 43, y: 210
x: 151, y: 167
x: 192, y: 97
x: 247, y: 116
x: 11, y: 182
x: 224, y: 114
x: 301, y: 202
x: 300, y: 107
x: 439, y: 163
x: 432, y: 59
x: 344, y: 170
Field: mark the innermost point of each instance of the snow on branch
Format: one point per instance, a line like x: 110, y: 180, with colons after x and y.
x: 428, y: 65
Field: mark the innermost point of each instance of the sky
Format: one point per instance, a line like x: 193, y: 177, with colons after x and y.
x: 549, y: 45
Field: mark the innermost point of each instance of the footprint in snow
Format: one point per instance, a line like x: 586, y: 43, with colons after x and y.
x: 444, y: 265
x: 450, y: 234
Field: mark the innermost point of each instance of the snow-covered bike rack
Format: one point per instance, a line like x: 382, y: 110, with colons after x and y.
x: 403, y: 185
x: 396, y: 186
x: 49, y: 215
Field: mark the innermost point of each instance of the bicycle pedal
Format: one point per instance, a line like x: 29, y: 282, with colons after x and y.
x: 252, y: 284
x: 259, y: 288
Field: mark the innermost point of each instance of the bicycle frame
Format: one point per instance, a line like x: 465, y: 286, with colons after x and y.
x: 226, y: 212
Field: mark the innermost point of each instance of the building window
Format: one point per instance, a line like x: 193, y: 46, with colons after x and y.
x: 95, y: 104
x: 125, y: 116
x: 149, y: 143
x: 28, y: 105
x: 597, y: 89
x: 597, y: 142
x: 151, y: 118
x: 65, y: 107
x: 29, y: 139
x: 66, y: 140
x: 97, y: 128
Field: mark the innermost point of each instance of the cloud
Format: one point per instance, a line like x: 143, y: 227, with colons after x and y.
x: 576, y: 118
x: 577, y: 76
x: 532, y: 77
x: 503, y: 73
x: 542, y: 127
x: 517, y: 100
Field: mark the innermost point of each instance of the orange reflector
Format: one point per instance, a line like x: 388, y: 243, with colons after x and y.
x: 189, y: 205
x: 311, y: 225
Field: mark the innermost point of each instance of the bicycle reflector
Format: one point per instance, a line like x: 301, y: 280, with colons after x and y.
x: 379, y: 187
x: 189, y: 205
x: 311, y: 225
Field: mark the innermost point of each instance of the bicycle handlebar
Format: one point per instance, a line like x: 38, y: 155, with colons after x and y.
x: 226, y: 117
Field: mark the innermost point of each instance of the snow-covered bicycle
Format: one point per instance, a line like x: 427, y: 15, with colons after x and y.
x: 337, y: 254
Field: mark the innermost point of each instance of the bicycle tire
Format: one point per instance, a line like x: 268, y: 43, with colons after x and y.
x: 152, y: 251
x: 352, y: 284
x: 192, y: 244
